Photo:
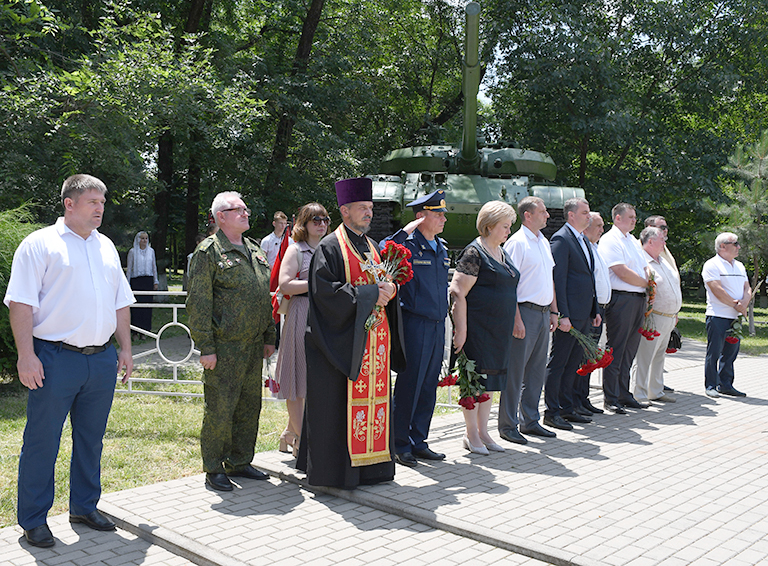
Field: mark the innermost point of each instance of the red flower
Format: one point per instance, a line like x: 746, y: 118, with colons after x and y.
x: 273, y: 385
x: 467, y: 402
x: 448, y: 380
x: 731, y: 339
x: 671, y: 350
x: 483, y: 398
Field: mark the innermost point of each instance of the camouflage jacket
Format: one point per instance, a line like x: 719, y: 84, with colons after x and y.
x: 228, y: 298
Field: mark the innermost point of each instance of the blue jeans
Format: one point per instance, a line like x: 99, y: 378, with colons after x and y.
x: 83, y: 387
x: 718, y: 364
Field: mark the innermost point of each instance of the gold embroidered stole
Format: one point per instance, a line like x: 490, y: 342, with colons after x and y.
x: 368, y: 406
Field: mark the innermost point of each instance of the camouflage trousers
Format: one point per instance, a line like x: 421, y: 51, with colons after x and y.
x: 232, y: 405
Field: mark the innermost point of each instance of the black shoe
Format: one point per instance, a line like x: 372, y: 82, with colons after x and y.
x: 537, y: 430
x: 95, y: 520
x: 583, y: 411
x: 574, y: 418
x: 615, y: 409
x: 634, y: 404
x: 249, y: 472
x: 219, y: 482
x: 512, y: 435
x: 669, y: 389
x: 557, y: 421
x: 406, y: 459
x: 40, y: 536
x: 428, y: 454
x: 590, y: 407
x: 731, y: 391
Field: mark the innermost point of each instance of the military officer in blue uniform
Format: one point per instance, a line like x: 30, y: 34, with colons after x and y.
x: 424, y: 302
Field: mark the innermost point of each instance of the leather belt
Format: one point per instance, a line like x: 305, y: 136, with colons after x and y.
x: 637, y: 293
x: 664, y: 314
x: 534, y: 306
x: 603, y: 305
x: 87, y: 350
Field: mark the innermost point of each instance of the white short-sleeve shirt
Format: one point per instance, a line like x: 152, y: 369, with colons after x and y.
x: 602, y: 277
x: 271, y: 246
x: 74, y: 286
x: 532, y: 257
x: 731, y: 277
x: 617, y: 248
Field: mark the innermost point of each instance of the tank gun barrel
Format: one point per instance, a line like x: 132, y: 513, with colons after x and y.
x: 470, y: 82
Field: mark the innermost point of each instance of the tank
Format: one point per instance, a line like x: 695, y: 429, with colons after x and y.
x: 470, y: 175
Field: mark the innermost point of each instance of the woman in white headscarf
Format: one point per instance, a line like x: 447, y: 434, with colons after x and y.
x: 142, y: 275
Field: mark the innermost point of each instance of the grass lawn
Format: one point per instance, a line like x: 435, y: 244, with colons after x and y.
x: 692, y: 325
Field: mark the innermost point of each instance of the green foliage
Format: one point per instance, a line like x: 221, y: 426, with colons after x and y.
x: 15, y: 225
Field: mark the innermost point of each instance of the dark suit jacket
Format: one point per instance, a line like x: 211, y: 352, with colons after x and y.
x: 574, y: 278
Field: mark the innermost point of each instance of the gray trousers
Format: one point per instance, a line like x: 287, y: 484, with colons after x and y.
x: 525, y: 372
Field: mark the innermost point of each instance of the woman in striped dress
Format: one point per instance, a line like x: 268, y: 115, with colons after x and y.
x: 291, y: 373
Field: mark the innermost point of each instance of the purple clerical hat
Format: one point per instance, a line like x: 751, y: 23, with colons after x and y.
x: 354, y: 190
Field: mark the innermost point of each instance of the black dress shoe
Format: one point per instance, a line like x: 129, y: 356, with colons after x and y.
x: 669, y: 389
x: 583, y: 411
x: 512, y: 435
x: 731, y: 391
x: 428, y: 454
x: 574, y: 418
x: 615, y: 409
x: 95, y: 520
x: 40, y: 536
x: 406, y: 459
x: 249, y: 472
x: 634, y: 404
x: 590, y: 407
x: 537, y: 430
x: 219, y: 482
x: 557, y: 421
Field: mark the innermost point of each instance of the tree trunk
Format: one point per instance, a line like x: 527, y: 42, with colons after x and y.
x: 165, y: 177
x: 284, y: 130
x: 193, y: 196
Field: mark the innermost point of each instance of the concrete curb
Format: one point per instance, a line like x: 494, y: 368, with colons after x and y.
x: 167, y: 539
x: 518, y: 545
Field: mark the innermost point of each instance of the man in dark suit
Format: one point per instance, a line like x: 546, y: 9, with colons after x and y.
x: 575, y: 290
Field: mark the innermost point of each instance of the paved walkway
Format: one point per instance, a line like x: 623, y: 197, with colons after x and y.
x: 683, y: 483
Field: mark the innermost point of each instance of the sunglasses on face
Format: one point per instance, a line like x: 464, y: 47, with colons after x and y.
x: 319, y: 220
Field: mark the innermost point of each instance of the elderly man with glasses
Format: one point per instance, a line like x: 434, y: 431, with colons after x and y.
x: 230, y: 318
x: 728, y: 295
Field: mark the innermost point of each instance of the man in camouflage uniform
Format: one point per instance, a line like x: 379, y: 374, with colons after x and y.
x: 230, y: 317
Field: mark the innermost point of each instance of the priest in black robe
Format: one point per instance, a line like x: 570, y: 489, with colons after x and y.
x: 335, y: 344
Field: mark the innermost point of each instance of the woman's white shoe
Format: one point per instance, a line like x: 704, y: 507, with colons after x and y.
x: 474, y: 449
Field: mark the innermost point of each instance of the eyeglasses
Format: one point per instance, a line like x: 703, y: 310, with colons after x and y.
x: 737, y: 244
x: 239, y: 210
x: 321, y: 220
x: 663, y: 227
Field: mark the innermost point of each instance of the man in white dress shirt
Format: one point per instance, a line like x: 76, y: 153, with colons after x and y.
x: 648, y: 369
x: 624, y: 315
x: 271, y: 242
x: 536, y: 318
x: 67, y: 295
x: 728, y: 296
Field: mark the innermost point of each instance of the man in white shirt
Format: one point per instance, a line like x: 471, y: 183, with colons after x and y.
x: 648, y: 369
x: 271, y: 242
x: 728, y: 296
x: 536, y: 318
x: 593, y: 232
x: 624, y: 315
x: 67, y: 295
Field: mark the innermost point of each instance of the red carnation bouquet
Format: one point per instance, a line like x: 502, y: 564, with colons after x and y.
x: 471, y: 388
x: 594, y: 356
x: 395, y: 268
x: 649, y: 327
x: 735, y: 332
x: 272, y: 385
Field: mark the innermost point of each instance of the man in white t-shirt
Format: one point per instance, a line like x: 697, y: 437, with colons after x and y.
x: 728, y: 296
x: 624, y: 315
x: 271, y: 242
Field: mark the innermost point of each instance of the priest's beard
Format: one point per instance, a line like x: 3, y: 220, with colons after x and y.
x: 364, y: 229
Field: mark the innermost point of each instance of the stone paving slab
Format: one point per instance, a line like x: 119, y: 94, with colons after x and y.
x: 676, y: 484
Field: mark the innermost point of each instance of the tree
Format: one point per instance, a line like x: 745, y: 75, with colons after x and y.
x: 747, y: 210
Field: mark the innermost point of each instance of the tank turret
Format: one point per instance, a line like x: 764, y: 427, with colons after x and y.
x: 471, y: 174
